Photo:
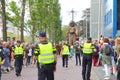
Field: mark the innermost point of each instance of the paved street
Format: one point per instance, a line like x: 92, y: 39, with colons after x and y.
x: 73, y: 72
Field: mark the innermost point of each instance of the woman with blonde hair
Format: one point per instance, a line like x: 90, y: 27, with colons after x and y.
x: 117, y: 44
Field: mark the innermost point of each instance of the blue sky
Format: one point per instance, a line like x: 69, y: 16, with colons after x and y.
x: 77, y: 5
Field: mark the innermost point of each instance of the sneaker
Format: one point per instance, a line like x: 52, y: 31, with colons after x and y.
x: 7, y: 70
x: 66, y: 66
x: 111, y: 73
x: 103, y: 69
x: 18, y: 74
x: 107, y: 77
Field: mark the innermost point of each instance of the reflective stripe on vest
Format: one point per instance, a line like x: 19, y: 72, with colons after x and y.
x: 18, y: 50
x: 46, y: 54
x: 0, y: 56
x: 0, y: 59
x: 87, y: 48
x: 0, y: 50
x: 65, y: 50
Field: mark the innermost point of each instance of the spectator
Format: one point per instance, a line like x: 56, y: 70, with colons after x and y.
x: 106, y: 59
x: 6, y: 53
x: 77, y: 53
x: 95, y: 54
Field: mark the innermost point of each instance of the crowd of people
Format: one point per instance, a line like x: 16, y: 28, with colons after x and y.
x: 7, y: 50
x: 105, y: 52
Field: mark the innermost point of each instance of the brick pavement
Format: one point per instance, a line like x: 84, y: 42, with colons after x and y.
x: 73, y: 72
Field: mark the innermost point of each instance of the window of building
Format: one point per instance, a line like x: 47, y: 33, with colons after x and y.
x: 118, y: 14
x: 108, y: 18
x: 105, y: 1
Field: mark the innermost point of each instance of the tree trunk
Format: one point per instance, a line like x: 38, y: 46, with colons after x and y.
x: 4, y: 21
x: 22, y: 20
x: 33, y: 36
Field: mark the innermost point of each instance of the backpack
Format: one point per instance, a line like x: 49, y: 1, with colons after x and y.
x: 107, y: 49
x: 76, y: 47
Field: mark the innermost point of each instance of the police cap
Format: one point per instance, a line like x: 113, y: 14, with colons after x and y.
x: 89, y: 39
x: 42, y: 34
x: 18, y: 41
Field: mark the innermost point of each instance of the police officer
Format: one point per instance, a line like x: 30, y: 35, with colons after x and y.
x: 65, y: 53
x: 46, y: 58
x: 19, y: 53
x: 88, y: 49
x: 2, y: 60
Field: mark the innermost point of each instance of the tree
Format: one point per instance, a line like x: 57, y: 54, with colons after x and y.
x: 64, y: 28
x: 44, y: 16
x: 18, y: 16
x: 15, y: 17
x: 4, y: 20
x: 54, y: 25
x: 33, y: 24
x: 22, y: 19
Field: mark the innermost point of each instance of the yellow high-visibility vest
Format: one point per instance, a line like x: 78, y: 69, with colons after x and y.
x: 46, y: 55
x: 0, y: 59
x: 65, y: 50
x: 0, y: 56
x: 18, y: 50
x: 87, y: 48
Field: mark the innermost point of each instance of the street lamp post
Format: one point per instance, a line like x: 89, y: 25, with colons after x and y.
x: 72, y: 11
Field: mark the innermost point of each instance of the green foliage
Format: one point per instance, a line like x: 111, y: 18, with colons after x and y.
x: 14, y: 8
x: 64, y: 28
x: 15, y: 11
x: 44, y: 15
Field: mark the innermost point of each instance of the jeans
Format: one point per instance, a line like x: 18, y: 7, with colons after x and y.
x: 78, y: 59
x: 29, y: 59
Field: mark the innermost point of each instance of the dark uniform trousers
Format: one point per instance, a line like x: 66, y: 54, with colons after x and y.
x: 118, y: 70
x: 86, y: 66
x: 0, y: 72
x: 18, y: 64
x: 46, y: 72
x: 65, y: 60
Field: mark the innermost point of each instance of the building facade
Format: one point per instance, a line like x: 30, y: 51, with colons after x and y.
x: 104, y: 18
x: 12, y: 32
x: 96, y: 19
x: 110, y: 18
x: 118, y: 15
x: 86, y: 18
